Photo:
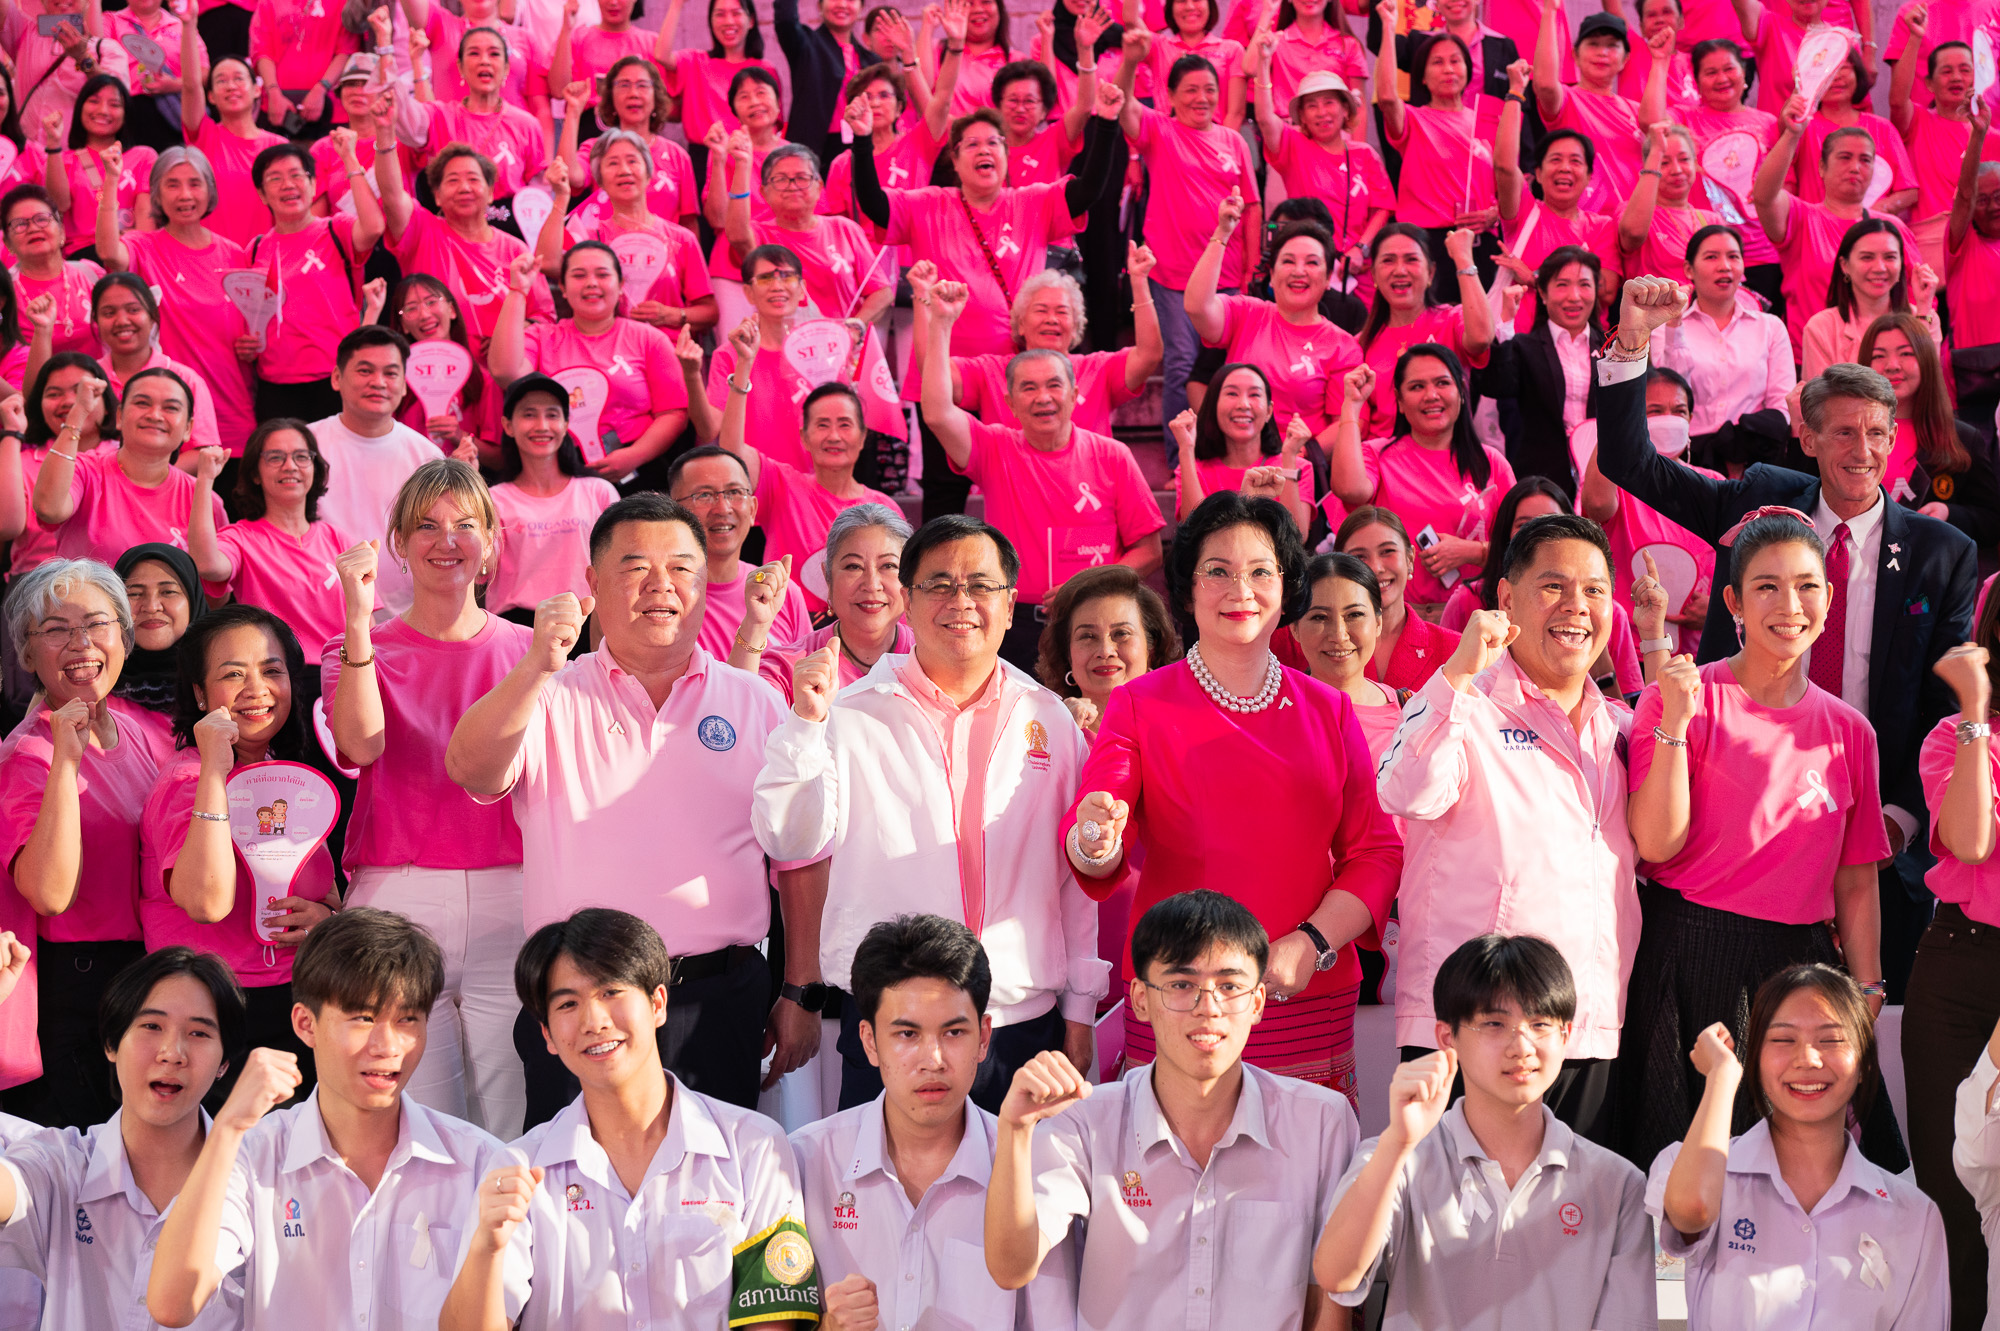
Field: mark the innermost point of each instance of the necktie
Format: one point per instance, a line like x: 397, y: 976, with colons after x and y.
x: 1830, y: 652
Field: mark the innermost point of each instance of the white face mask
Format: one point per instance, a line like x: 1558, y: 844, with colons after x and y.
x: 1670, y: 434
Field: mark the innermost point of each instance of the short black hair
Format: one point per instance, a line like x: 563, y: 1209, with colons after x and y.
x: 1219, y: 512
x: 1486, y: 971
x: 696, y: 454
x: 1771, y: 529
x: 1030, y: 71
x: 125, y: 998
x: 369, y: 335
x: 833, y: 388
x: 364, y: 959
x: 1547, y: 530
x: 278, y: 152
x: 1337, y: 564
x: 1556, y: 136
x: 646, y: 506
x: 605, y: 944
x: 918, y: 947
x: 951, y: 528
x: 191, y: 663
x: 1176, y: 931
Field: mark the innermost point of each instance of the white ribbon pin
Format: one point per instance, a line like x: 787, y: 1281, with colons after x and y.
x: 1874, y: 1266
x: 420, y: 1250
x: 1816, y: 790
x: 312, y: 263
x: 1472, y: 1198
x: 1086, y: 497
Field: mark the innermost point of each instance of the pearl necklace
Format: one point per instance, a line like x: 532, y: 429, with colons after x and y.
x: 1274, y: 676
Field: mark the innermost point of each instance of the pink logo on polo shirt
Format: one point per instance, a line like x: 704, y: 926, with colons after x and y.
x: 289, y: 1214
x: 845, y: 1214
x: 1571, y: 1216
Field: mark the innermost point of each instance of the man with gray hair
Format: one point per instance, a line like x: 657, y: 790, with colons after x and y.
x: 1068, y: 499
x: 1900, y: 584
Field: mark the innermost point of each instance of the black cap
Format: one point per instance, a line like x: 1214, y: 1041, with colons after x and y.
x: 534, y: 383
x: 1599, y: 24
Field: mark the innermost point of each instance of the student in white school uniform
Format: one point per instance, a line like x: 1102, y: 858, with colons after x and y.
x: 895, y: 1189
x: 1975, y: 1151
x: 1789, y: 1227
x: 1227, y: 1171
x: 646, y: 1204
x: 80, y: 1211
x: 352, y: 1209
x: 1492, y: 1213
x: 20, y: 1292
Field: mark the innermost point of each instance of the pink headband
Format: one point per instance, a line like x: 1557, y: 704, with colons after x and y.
x: 1767, y: 511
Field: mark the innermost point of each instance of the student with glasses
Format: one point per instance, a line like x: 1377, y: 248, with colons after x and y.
x: 864, y: 781
x: 1229, y: 727
x: 35, y: 238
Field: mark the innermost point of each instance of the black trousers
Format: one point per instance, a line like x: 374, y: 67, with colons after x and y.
x: 1011, y: 1047
x: 1583, y: 1095
x: 75, y: 1088
x: 1022, y: 643
x: 945, y: 491
x: 713, y: 1041
x: 1953, y: 1003
x: 1697, y: 966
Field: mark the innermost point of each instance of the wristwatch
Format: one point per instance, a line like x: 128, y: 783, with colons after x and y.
x: 1969, y: 731
x: 811, y: 997
x: 1328, y: 954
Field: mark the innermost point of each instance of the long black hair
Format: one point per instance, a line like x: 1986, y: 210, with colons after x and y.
x: 1467, y: 453
x: 1840, y: 290
x: 1208, y: 441
x: 96, y: 83
x: 1378, y: 309
x: 753, y: 36
x: 39, y: 431
x: 290, y: 741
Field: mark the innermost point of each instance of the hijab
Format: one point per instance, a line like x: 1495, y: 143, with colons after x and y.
x: 148, y: 678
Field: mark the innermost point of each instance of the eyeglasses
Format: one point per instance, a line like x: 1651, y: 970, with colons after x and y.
x: 1256, y: 579
x: 1230, y: 996
x: 792, y: 182
x: 775, y: 276
x: 944, y: 589
x: 422, y: 303
x: 300, y: 458
x: 632, y: 85
x: 735, y: 494
x: 99, y: 631
x: 1021, y: 104
x: 20, y: 226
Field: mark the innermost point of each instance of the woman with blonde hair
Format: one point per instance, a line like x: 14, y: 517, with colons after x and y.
x: 418, y: 844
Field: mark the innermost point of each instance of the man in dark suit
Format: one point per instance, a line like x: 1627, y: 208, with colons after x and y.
x: 1924, y: 577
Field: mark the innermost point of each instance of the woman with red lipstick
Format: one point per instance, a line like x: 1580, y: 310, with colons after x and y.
x: 1875, y: 272
x: 1409, y: 649
x: 417, y: 843
x: 1232, y: 443
x: 76, y: 774
x: 1757, y: 816
x: 1230, y: 725
x: 1765, y: 1188
x: 236, y: 704
x: 1337, y: 634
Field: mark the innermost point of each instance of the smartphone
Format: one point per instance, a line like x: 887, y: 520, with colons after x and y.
x: 50, y: 24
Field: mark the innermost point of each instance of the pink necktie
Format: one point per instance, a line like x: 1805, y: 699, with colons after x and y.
x: 1829, y: 653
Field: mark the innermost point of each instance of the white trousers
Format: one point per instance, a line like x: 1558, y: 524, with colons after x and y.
x: 469, y: 1069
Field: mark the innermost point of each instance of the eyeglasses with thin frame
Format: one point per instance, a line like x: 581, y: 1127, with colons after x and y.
x: 1258, y: 579
x: 735, y: 494
x: 797, y: 181
x: 99, y: 631
x: 1231, y: 996
x: 418, y: 305
x: 945, y: 589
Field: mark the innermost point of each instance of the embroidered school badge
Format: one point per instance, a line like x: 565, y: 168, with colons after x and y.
x: 1038, y: 746
x: 772, y: 1277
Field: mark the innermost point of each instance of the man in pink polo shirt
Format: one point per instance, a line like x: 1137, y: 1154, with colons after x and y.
x: 938, y: 786
x: 631, y: 772
x: 1068, y: 499
x: 1508, y: 773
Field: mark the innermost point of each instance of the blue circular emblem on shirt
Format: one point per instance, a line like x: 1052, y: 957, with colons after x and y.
x: 716, y: 733
x: 1746, y: 1229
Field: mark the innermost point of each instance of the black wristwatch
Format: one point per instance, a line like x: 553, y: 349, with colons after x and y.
x: 1328, y: 954
x: 811, y: 997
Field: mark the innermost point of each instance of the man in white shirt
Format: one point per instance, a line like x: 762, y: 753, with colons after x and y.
x: 81, y: 1211
x: 895, y: 1189
x: 646, y: 1204
x: 937, y: 784
x: 352, y: 1209
x: 1201, y: 1180
x: 371, y: 453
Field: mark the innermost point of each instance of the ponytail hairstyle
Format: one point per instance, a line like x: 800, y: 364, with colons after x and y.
x: 1378, y: 309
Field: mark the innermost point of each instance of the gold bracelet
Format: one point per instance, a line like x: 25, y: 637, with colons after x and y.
x: 747, y: 646
x: 353, y: 664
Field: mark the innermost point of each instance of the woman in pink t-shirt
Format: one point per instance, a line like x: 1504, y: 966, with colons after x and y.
x: 1307, y: 38
x: 845, y: 276
x: 1315, y: 156
x: 198, y: 323
x: 1233, y: 443
x: 680, y: 294
x: 279, y: 553
x: 74, y: 777
x: 1190, y: 30
x: 985, y: 49
x: 755, y: 98
x: 1230, y: 718
x: 1403, y: 314
x: 1757, y: 815
x: 1592, y: 103
x: 127, y: 317
x: 1039, y: 149
x: 1939, y: 465
x: 903, y: 157
x: 230, y: 142
x: 1447, y: 176
x: 49, y: 400
x: 635, y: 100
x: 1894, y: 190
x: 1873, y: 275
x: 91, y: 162
x: 28, y: 163
x: 645, y: 403
x: 427, y: 311
x: 700, y: 79
x: 1049, y: 315
x: 1431, y: 470
x: 1659, y: 217
x: 237, y: 704
x: 46, y: 283
x: 418, y: 844
x: 547, y: 503
x: 1731, y: 140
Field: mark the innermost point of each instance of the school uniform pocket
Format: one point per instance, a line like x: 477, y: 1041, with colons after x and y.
x: 425, y: 1266
x: 966, y: 1295
x: 1267, y: 1257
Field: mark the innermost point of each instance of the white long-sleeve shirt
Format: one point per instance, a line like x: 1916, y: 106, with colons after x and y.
x: 869, y: 787
x: 1975, y: 1155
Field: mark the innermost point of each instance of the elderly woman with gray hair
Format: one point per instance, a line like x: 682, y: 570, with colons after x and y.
x: 846, y: 277
x: 199, y: 326
x: 1048, y: 316
x: 864, y: 551
x: 78, y: 770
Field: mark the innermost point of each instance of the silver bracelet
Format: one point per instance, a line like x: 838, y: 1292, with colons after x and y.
x: 1664, y: 738
x: 209, y: 817
x: 1104, y: 857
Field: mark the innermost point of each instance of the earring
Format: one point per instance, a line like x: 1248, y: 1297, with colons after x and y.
x: 404, y: 564
x: 1739, y: 629
x: 1069, y: 678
